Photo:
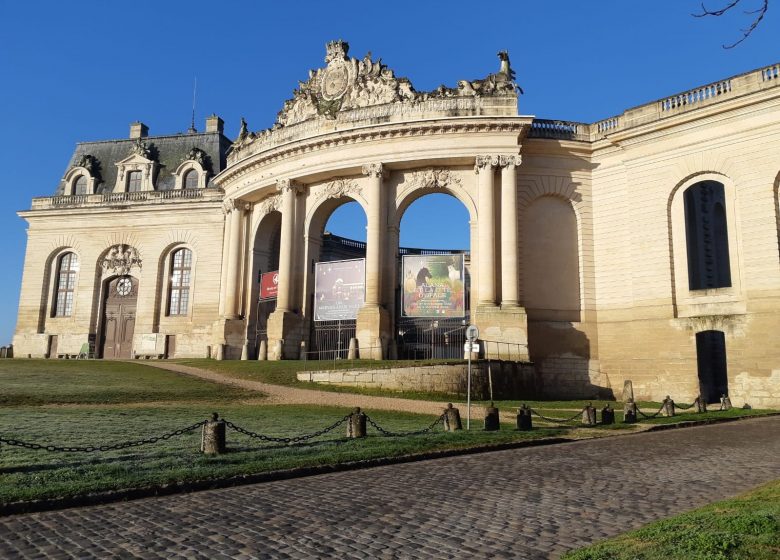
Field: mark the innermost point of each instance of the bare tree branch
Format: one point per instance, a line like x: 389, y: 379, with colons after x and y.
x: 758, y: 13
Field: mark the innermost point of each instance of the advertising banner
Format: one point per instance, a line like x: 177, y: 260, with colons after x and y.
x: 433, y: 286
x: 339, y: 289
x: 269, y: 285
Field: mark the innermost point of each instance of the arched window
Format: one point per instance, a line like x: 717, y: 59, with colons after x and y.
x: 181, y: 273
x: 191, y: 179
x: 706, y: 235
x: 133, y: 181
x: 80, y: 186
x: 67, y: 268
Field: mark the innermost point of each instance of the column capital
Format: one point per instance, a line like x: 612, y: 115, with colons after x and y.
x: 374, y: 169
x: 485, y: 162
x: 507, y: 161
x: 235, y: 204
x: 284, y: 185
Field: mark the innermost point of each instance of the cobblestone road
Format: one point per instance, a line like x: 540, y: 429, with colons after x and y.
x: 526, y: 503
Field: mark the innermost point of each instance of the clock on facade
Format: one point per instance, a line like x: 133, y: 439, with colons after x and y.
x: 124, y: 286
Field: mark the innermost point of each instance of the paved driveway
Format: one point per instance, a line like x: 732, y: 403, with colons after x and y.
x: 526, y: 503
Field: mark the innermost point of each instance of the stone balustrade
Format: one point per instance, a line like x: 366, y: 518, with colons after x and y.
x: 124, y: 198
x: 716, y: 92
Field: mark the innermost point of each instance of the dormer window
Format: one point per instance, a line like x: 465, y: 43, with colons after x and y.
x: 133, y: 181
x: 191, y: 179
x: 80, y: 186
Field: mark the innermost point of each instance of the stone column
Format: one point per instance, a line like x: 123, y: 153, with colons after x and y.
x: 288, y: 189
x: 373, y: 324
x: 510, y: 280
x: 234, y: 259
x: 484, y: 169
x: 284, y: 332
x: 376, y: 225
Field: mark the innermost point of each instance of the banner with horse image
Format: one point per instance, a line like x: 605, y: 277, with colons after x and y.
x: 433, y: 286
x: 339, y: 289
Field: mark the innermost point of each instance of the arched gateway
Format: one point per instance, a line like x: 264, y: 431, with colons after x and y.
x: 356, y: 131
x: 642, y: 247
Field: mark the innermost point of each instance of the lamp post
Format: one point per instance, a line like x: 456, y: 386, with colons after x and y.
x: 472, y: 333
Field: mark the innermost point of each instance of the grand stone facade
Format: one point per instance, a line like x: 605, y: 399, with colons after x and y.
x: 642, y: 247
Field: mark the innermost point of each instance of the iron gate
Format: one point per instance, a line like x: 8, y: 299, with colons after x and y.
x: 425, y: 339
x: 330, y: 339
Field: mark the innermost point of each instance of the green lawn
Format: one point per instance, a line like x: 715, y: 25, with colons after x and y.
x: 39, y: 382
x: 744, y: 528
x: 93, y: 403
x: 35, y: 474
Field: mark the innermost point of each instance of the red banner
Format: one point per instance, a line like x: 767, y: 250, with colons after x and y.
x: 269, y: 285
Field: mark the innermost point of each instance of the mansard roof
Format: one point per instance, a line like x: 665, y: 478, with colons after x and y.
x: 167, y: 151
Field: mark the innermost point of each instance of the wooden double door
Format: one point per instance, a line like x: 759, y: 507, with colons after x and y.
x: 119, y: 317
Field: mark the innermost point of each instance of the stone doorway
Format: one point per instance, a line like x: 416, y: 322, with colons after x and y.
x: 119, y: 317
x: 711, y: 361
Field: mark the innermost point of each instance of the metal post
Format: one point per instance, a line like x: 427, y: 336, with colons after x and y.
x: 468, y: 392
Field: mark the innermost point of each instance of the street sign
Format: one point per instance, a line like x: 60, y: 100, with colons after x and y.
x: 472, y: 332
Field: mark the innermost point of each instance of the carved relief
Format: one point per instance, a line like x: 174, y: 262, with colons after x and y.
x: 120, y: 259
x: 348, y: 83
x: 197, y: 155
x: 433, y: 179
x: 339, y: 188
x: 270, y: 204
x: 140, y: 148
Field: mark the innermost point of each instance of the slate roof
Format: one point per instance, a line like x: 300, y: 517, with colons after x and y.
x: 168, y: 151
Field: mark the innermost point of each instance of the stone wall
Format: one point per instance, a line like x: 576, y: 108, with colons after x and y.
x: 511, y: 380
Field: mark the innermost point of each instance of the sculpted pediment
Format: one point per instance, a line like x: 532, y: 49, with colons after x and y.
x: 351, y: 90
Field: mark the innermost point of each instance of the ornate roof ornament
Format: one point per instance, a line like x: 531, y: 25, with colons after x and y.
x: 140, y: 148
x: 347, y: 84
x: 120, y: 259
x: 197, y: 155
x: 91, y: 164
x: 86, y: 161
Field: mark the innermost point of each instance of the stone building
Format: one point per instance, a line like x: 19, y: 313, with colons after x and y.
x: 642, y: 247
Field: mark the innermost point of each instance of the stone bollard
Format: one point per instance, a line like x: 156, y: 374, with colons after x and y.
x: 491, y: 419
x: 452, y: 419
x: 3, y: 352
x: 589, y: 415
x: 9, y: 353
x: 302, y: 351
x: 629, y: 412
x: 352, y: 353
x: 356, y: 425
x: 524, y: 422
x: 668, y: 408
x: 607, y: 415
x: 725, y: 403
x: 700, y: 404
x: 262, y: 352
x: 212, y: 437
x: 245, y: 351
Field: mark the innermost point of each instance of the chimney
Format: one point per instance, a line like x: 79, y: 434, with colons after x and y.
x: 214, y: 124
x: 138, y: 130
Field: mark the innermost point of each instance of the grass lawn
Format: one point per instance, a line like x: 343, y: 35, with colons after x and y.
x: 93, y: 403
x: 39, y: 382
x: 743, y: 528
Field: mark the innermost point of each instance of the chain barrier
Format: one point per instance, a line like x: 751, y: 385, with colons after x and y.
x: 650, y: 416
x: 559, y: 420
x: 98, y: 448
x: 684, y: 406
x: 294, y: 439
x: 388, y: 433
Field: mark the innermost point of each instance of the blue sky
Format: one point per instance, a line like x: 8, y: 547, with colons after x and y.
x: 84, y: 71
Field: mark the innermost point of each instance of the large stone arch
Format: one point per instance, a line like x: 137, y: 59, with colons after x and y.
x: 419, y: 183
x: 531, y: 189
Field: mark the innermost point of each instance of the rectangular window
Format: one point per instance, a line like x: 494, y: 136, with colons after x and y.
x: 133, y: 181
